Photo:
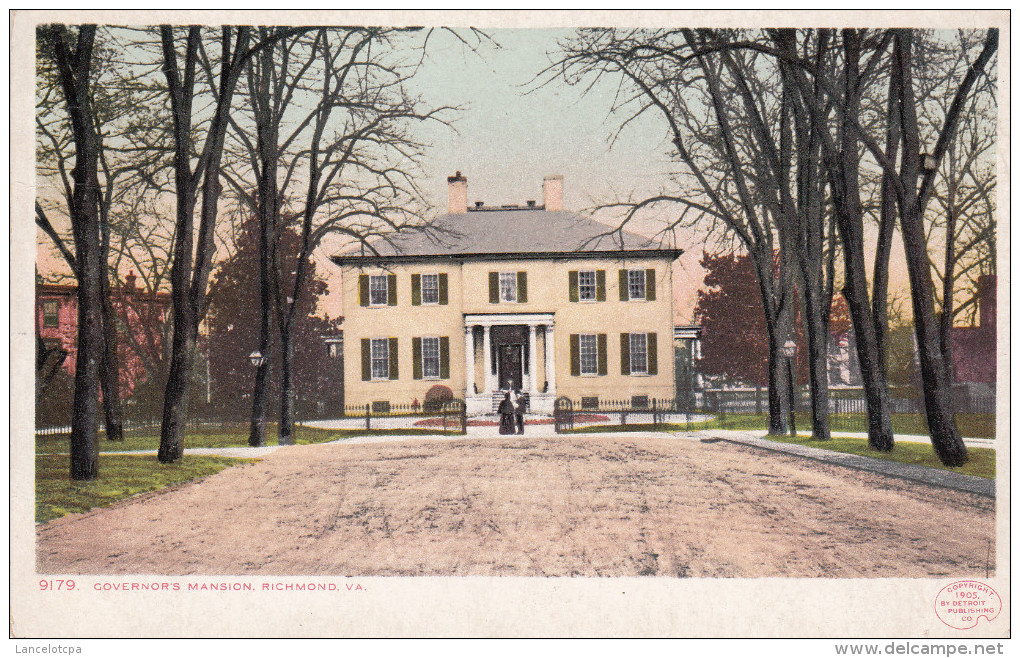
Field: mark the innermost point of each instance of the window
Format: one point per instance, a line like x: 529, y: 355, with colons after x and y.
x: 639, y: 353
x: 636, y: 284
x: 589, y: 354
x: 429, y: 288
x: 380, y: 358
x: 51, y: 314
x: 378, y: 290
x: 508, y: 286
x: 430, y: 358
x: 586, y: 285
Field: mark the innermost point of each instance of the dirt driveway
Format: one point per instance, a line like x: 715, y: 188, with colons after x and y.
x: 533, y: 506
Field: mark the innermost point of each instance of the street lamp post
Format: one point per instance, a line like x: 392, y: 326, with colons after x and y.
x: 257, y: 359
x: 257, y: 436
x: 789, y: 351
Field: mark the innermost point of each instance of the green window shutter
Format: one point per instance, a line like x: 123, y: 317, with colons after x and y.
x: 366, y: 359
x: 394, y: 373
x: 653, y: 355
x: 444, y: 357
x: 603, y: 354
x: 650, y: 285
x: 575, y: 355
x: 624, y: 354
x: 363, y: 289
x: 522, y: 287
x: 572, y: 282
x: 444, y: 288
x: 416, y: 357
x: 493, y: 287
x: 415, y: 290
x: 600, y: 285
x: 623, y: 286
x: 391, y: 288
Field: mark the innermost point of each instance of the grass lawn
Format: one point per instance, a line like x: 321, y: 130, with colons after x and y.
x: 982, y: 460
x: 974, y: 426
x: 120, y: 477
x: 218, y: 437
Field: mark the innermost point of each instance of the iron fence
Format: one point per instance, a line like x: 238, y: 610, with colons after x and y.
x: 448, y: 416
x: 739, y: 409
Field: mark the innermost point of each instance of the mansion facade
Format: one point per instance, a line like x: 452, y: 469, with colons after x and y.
x: 528, y: 297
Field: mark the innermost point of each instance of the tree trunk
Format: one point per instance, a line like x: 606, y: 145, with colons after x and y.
x: 778, y: 324
x: 189, y: 278
x: 818, y: 341
x: 887, y: 226
x: 286, y: 429
x: 175, y: 399
x: 810, y: 247
x: 849, y: 218
x: 110, y: 373
x: 938, y: 404
x: 260, y: 403
x: 75, y: 69
x: 779, y: 384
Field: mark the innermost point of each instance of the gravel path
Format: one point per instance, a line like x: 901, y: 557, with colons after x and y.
x: 533, y: 506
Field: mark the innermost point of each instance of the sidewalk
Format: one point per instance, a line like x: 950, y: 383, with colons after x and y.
x: 933, y: 476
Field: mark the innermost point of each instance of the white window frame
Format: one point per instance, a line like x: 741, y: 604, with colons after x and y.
x: 380, y: 356
x: 511, y: 285
x: 592, y: 353
x: 426, y: 357
x: 591, y: 287
x: 635, y: 339
x: 372, y: 289
x: 632, y: 282
x: 435, y: 279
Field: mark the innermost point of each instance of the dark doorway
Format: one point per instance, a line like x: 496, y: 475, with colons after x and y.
x: 510, y: 366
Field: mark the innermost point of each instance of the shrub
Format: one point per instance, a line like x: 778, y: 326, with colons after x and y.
x: 436, y: 397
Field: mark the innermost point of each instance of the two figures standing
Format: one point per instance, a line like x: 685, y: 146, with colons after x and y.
x: 511, y: 413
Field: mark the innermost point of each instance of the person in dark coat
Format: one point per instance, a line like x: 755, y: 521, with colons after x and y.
x: 506, y: 415
x: 518, y: 401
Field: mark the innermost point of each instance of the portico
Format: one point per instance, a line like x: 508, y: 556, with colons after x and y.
x: 502, y: 351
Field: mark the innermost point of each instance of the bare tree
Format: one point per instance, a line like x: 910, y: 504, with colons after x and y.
x: 914, y: 192
x: 72, y: 53
x: 737, y: 165
x: 351, y: 146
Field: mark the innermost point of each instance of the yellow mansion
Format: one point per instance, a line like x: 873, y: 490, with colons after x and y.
x: 530, y: 297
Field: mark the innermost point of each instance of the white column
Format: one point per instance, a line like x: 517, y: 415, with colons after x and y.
x: 487, y: 360
x: 469, y: 361
x: 550, y: 360
x: 533, y: 360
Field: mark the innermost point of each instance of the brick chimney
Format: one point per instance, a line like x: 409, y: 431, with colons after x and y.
x: 552, y: 192
x: 458, y: 194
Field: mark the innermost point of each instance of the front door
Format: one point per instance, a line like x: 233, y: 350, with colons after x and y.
x: 510, y: 367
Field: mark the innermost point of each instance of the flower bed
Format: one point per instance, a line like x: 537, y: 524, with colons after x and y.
x: 578, y: 418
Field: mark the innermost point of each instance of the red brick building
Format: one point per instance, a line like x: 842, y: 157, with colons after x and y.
x: 140, y: 316
x: 974, y: 347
